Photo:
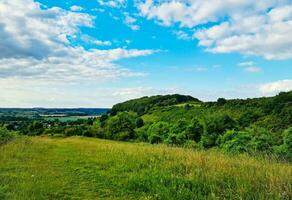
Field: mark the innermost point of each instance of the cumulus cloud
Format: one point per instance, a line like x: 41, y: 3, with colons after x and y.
x: 112, y: 3
x: 247, y: 27
x: 91, y: 40
x: 131, y: 22
x: 249, y: 66
x: 181, y: 35
x: 275, y: 87
x: 36, y: 43
x: 76, y: 8
x: 38, y: 61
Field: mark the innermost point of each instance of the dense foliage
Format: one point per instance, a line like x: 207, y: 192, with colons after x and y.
x: 259, y: 125
x: 144, y: 104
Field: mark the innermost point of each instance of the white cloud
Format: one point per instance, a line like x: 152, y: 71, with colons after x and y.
x: 131, y: 22
x: 37, y: 45
x: 246, y: 64
x: 112, y: 3
x: 249, y: 66
x: 91, y: 40
x: 38, y: 62
x: 248, y: 27
x: 253, y: 69
x: 76, y: 8
x: 182, y: 35
x: 275, y: 87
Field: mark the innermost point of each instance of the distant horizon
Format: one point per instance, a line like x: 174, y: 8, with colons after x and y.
x: 37, y: 107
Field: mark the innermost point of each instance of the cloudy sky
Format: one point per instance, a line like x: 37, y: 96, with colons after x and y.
x: 94, y: 53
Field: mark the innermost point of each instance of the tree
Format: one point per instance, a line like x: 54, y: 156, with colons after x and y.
x: 195, y: 130
x: 221, y: 101
x: 157, y: 132
x: 139, y: 122
x: 215, y: 126
x: 286, y: 148
x: 121, y: 126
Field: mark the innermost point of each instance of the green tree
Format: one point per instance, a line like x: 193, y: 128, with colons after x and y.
x: 157, y: 132
x: 139, y: 122
x: 121, y: 126
x: 195, y: 130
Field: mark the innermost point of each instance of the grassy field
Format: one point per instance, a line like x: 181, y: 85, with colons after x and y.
x: 83, y: 168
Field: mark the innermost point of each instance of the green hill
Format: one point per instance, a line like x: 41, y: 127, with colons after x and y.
x: 144, y: 104
x: 258, y: 125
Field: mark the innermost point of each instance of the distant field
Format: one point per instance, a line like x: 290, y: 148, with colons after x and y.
x: 84, y: 168
x: 69, y: 118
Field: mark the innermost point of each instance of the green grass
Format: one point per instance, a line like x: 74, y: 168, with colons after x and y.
x: 84, y: 168
x: 69, y: 118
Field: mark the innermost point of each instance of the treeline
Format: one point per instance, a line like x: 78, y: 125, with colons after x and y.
x: 144, y: 104
x: 35, y: 127
x: 259, y: 125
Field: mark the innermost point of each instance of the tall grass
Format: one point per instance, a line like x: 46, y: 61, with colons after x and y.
x: 83, y: 168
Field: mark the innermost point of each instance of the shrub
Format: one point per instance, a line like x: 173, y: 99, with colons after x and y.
x: 216, y: 126
x: 157, y: 132
x: 234, y: 141
x: 139, y: 122
x: 286, y: 148
x: 121, y: 126
x: 251, y: 140
x: 5, y: 135
x: 194, y: 131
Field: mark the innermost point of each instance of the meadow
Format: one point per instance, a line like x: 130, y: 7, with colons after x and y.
x: 88, y: 168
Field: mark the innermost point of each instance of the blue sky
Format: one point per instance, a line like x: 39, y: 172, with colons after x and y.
x: 75, y: 53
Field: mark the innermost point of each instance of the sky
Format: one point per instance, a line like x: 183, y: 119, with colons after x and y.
x: 95, y: 53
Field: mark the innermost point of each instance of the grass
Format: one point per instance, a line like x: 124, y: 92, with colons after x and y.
x: 84, y: 168
x: 70, y: 118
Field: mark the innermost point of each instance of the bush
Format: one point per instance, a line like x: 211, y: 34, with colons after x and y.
x: 286, y: 148
x: 157, y: 132
x: 141, y: 133
x: 234, y: 141
x: 139, y: 122
x: 194, y: 131
x: 121, y: 126
x: 5, y: 135
x: 216, y: 126
x: 250, y: 140
x: 177, y: 133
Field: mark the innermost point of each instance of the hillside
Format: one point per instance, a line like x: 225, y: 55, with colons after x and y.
x: 144, y: 104
x: 254, y: 126
x: 84, y: 168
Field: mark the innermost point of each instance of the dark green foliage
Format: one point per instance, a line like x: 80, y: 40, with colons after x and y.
x: 121, y: 126
x: 139, y: 122
x: 286, y: 148
x: 142, y: 105
x: 216, y: 126
x: 157, y: 132
x: 35, y: 128
x: 221, y: 101
x: 102, y: 120
x: 251, y: 125
x: 195, y: 130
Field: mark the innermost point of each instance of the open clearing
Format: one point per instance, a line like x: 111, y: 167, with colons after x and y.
x: 85, y: 168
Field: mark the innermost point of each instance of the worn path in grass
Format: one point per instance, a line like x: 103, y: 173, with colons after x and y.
x: 84, y: 168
